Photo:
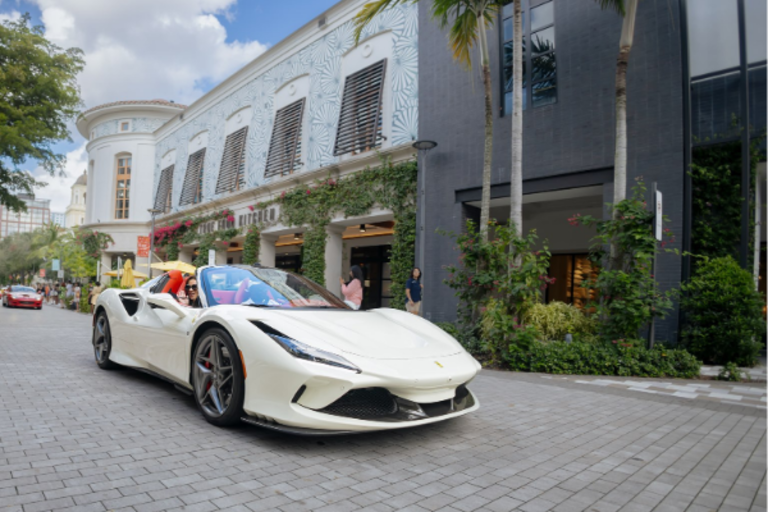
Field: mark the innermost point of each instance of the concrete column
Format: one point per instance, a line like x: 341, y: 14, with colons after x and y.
x: 221, y: 257
x: 106, y: 266
x: 267, y: 250
x: 186, y: 255
x: 334, y: 258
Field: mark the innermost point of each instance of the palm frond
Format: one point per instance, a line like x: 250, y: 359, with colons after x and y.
x: 615, y: 5
x: 461, y: 17
x: 370, y: 10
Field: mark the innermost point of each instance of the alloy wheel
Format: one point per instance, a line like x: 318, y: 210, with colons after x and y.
x: 213, y: 375
x: 101, y: 340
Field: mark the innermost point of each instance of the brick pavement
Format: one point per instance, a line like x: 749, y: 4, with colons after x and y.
x: 73, y: 437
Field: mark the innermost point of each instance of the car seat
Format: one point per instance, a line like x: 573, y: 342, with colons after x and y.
x: 174, y: 284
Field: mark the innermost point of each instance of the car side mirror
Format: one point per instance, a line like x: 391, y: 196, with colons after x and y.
x: 166, y: 301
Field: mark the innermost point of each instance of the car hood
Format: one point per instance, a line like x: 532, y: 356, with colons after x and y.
x: 375, y: 334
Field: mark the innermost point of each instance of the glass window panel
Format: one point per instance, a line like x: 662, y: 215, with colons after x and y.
x: 119, y: 204
x: 713, y: 35
x: 544, y: 67
x: 544, y: 93
x: 756, y: 13
x: 509, y: 27
x: 509, y: 9
x: 508, y: 51
x: 508, y: 101
x: 542, y: 16
x: 119, y: 214
x: 543, y: 40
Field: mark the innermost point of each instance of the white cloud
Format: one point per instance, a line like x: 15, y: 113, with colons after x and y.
x: 146, y: 49
x: 58, y: 188
x: 142, y: 49
x: 9, y: 16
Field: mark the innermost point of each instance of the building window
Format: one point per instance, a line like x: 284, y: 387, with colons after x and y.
x: 123, y: 187
x: 164, y: 190
x: 285, y: 146
x: 125, y: 126
x: 192, y: 192
x: 540, y: 84
x: 360, y: 120
x: 571, y: 271
x: 232, y: 170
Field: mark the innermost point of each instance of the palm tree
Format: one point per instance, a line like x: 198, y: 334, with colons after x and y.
x: 516, y: 169
x: 469, y: 21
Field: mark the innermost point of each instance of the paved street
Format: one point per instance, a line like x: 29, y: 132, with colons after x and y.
x: 73, y: 437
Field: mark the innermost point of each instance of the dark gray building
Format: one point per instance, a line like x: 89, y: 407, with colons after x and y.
x: 568, y: 145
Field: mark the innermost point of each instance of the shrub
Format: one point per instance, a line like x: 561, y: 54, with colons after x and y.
x: 556, y: 319
x: 627, y: 360
x: 724, y: 313
x: 465, y: 335
x: 730, y: 372
x: 629, y: 295
x: 500, y: 330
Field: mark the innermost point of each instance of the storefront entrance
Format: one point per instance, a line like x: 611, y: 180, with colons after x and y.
x: 374, y: 261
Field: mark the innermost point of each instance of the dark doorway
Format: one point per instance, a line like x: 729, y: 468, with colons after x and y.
x: 378, y: 280
x: 290, y: 262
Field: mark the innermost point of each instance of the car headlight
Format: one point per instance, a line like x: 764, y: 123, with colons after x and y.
x: 303, y: 351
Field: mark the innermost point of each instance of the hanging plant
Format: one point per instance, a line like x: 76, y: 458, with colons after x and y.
x: 94, y: 242
x: 252, y: 245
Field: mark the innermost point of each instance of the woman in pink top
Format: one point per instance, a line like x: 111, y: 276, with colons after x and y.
x: 353, y: 289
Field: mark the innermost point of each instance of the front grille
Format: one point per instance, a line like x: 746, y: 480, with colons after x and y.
x: 363, y: 404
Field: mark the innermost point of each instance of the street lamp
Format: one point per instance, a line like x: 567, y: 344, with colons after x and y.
x: 152, y: 212
x: 423, y: 146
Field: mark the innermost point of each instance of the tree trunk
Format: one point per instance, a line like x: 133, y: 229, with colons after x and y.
x: 516, y: 178
x: 620, y: 157
x: 485, y: 205
x: 758, y: 229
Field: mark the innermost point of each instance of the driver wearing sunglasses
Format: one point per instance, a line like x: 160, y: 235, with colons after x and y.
x: 190, y: 288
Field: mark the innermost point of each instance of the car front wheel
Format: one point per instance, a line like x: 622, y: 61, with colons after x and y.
x: 217, y: 378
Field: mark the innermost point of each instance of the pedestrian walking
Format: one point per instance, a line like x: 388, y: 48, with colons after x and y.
x: 55, y: 294
x: 77, y: 294
x: 95, y: 292
x: 353, y: 289
x: 413, y: 288
x: 47, y: 293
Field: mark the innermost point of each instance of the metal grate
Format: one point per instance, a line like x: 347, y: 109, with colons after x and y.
x: 164, y: 190
x: 363, y: 404
x: 232, y: 171
x: 285, y: 146
x: 192, y: 192
x: 360, y: 118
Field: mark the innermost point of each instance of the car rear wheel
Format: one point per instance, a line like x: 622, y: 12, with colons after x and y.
x: 217, y: 378
x: 102, y: 342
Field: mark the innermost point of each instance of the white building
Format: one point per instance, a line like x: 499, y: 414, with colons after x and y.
x: 75, y: 212
x: 269, y: 127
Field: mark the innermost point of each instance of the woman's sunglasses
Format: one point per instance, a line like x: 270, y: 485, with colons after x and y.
x: 191, y: 287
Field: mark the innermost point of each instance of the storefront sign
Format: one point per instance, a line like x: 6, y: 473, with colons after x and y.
x: 55, y: 265
x: 142, y: 247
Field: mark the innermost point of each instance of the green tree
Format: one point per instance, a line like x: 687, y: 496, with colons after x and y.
x: 38, y: 95
x: 467, y: 22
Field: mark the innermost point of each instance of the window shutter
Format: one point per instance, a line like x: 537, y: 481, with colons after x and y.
x: 360, y: 118
x: 192, y: 192
x: 231, y: 172
x: 164, y: 189
x: 285, y: 146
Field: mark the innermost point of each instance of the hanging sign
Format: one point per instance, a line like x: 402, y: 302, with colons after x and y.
x: 142, y: 247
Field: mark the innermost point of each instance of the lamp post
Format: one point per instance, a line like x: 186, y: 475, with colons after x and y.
x: 152, y: 212
x: 423, y: 146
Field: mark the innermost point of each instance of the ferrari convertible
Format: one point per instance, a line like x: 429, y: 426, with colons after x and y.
x: 274, y: 349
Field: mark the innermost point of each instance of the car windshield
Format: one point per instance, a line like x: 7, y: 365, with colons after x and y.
x: 23, y: 289
x: 265, y: 287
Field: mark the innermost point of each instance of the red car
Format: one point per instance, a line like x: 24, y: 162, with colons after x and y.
x: 22, y: 297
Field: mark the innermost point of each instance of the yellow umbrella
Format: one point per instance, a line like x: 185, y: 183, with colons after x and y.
x: 128, y: 278
x: 175, y: 265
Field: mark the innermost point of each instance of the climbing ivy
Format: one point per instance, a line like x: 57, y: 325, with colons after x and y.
x: 390, y: 186
x: 252, y: 245
x: 716, y: 179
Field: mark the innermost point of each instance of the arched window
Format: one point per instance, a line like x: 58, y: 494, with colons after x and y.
x: 123, y: 187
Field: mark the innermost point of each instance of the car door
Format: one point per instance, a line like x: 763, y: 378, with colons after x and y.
x: 164, y: 339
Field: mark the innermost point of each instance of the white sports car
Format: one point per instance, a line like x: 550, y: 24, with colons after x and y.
x: 274, y: 349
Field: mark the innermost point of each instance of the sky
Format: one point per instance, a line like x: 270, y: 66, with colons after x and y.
x: 146, y: 49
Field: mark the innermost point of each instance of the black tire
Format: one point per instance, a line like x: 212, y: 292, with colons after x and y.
x: 102, y: 342
x: 217, y: 378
